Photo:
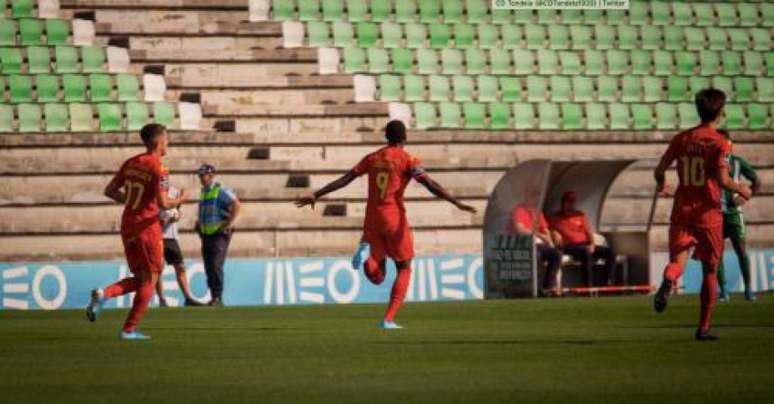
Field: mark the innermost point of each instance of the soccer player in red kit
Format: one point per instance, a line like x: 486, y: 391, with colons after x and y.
x: 697, y: 219
x: 386, y: 229
x: 145, y: 182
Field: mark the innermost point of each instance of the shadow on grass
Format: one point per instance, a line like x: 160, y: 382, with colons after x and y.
x: 692, y: 326
x: 582, y: 342
x: 221, y: 329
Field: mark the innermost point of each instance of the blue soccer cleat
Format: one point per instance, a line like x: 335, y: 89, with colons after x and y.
x: 750, y: 296
x: 132, y: 335
x: 361, y: 255
x: 389, y: 325
x: 95, y: 305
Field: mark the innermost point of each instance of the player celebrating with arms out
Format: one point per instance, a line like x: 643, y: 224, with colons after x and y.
x: 145, y: 182
x: 697, y: 220
x: 386, y: 229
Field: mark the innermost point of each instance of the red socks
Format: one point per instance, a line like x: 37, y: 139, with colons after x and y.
x: 398, y: 292
x: 374, y: 271
x: 673, y: 272
x: 709, y: 295
x: 139, y: 305
x: 122, y: 287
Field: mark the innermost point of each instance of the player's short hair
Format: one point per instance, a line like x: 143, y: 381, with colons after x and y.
x: 709, y: 103
x: 395, y: 132
x: 149, y: 132
x: 725, y: 133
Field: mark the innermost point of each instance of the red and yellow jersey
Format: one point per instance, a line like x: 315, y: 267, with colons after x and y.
x: 701, y: 153
x: 525, y: 215
x: 143, y: 177
x: 389, y: 170
x: 573, y: 226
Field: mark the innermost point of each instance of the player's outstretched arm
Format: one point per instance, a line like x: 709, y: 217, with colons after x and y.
x: 441, y: 192
x: 339, y: 183
x: 659, y: 174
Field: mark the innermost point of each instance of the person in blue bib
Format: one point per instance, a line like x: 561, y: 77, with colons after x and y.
x: 218, y: 209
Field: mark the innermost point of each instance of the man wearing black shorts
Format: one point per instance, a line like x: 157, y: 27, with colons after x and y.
x: 173, y: 255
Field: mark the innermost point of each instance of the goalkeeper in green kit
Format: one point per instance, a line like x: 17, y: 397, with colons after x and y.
x: 733, y: 221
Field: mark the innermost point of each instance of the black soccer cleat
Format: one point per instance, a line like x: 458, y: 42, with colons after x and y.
x: 705, y: 335
x: 660, y: 300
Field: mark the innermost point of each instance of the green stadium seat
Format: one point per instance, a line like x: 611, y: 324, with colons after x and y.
x: 659, y: 13
x: 652, y: 89
x: 22, y: 8
x: 502, y: 16
x: 547, y: 17
x: 641, y: 62
x: 710, y: 63
x: 47, y: 88
x: 429, y: 10
x: 607, y: 88
x: 308, y: 10
x: 615, y: 17
x: 580, y: 36
x: 282, y: 10
x: 571, y: 63
x: 642, y: 116
x: 593, y: 62
x: 451, y: 60
x: 136, y: 115
x: 405, y: 10
x: 424, y: 115
x: 66, y: 60
x: 674, y: 38
x: 696, y: 84
x: 343, y: 33
x: 726, y: 14
x: 694, y: 38
x: 413, y: 87
x: 628, y: 37
x: 523, y: 116
x: 354, y: 60
x: 499, y: 61
x: 357, y: 10
x: 110, y: 119
x: 511, y: 36
x: 31, y: 31
x: 318, y: 33
x: 389, y: 87
x: 765, y: 86
x: 734, y: 116
x: 604, y: 36
x: 439, y: 88
x: 761, y: 39
x: 29, y: 117
x: 487, y: 88
x: 378, y: 60
x: 559, y: 37
x: 57, y: 32
x: 333, y: 10
x: 11, y: 60
x: 748, y: 14
x: 487, y: 36
x: 596, y: 116
x: 2, y: 90
x: 666, y: 116
x: 92, y: 58
x: 20, y: 89
x: 81, y: 117
x: 381, y: 11
x: 128, y: 87
x: 705, y: 16
x: 548, y: 62
x: 74, y: 88
x: 638, y: 13
x: 717, y: 39
x: 619, y: 116
x: 56, y: 117
x: 549, y: 115
x: 38, y: 59
x: 464, y: 35
x: 662, y: 63
x: 753, y: 63
x: 450, y: 114
x: 572, y: 117
x: 476, y: 10
x: 617, y: 62
x: 561, y: 91
x: 402, y: 60
x: 499, y: 115
x: 651, y: 37
x: 767, y: 10
x: 688, y: 115
x: 744, y: 89
x: 452, y: 11
x: 510, y: 87
x: 686, y: 63
x: 682, y: 13
x: 523, y: 16
x: 726, y: 85
x: 740, y: 39
x: 677, y: 88
x: 757, y: 116
x: 367, y: 34
x: 427, y: 61
x: 475, y: 61
x: 732, y: 63
x: 592, y: 16
x: 6, y: 118
x: 463, y: 88
x: 583, y: 88
x: 537, y: 88
x: 163, y: 113
x: 440, y: 34
x: 571, y: 17
x: 7, y: 32
x: 535, y: 36
x: 631, y: 89
x: 416, y: 34
x: 475, y: 115
x: 523, y: 61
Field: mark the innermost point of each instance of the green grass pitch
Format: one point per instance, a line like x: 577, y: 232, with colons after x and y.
x: 544, y: 351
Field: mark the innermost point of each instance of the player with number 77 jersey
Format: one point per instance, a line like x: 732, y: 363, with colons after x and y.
x: 697, y: 220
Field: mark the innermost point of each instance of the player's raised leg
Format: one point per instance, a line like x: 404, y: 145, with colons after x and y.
x: 139, y: 305
x: 680, y: 242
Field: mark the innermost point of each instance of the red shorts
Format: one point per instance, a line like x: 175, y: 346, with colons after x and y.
x: 390, y: 238
x: 144, y: 251
x: 707, y: 243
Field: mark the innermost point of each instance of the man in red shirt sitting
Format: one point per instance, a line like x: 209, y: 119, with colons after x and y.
x: 573, y: 234
x: 523, y: 219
